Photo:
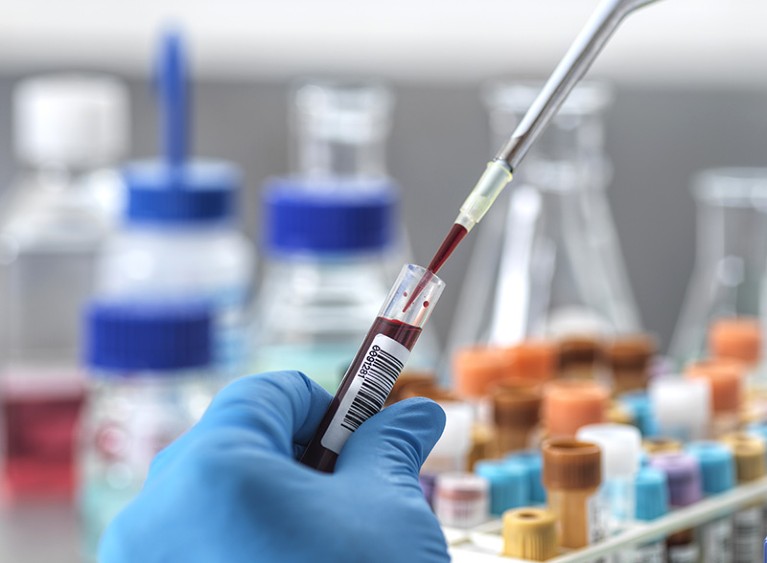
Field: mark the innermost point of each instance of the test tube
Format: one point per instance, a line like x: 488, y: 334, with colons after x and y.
x: 376, y: 367
x: 682, y: 407
x: 461, y: 500
x: 684, y: 488
x: 725, y: 379
x: 530, y: 534
x: 516, y: 414
x: 629, y: 359
x: 637, y: 403
x: 477, y: 369
x: 651, y: 493
x: 451, y: 451
x: 509, y: 484
x: 749, y: 452
x: 532, y: 461
x: 572, y: 473
x: 621, y: 447
x: 581, y: 357
x: 568, y: 405
x: 717, y: 468
x: 736, y: 338
x: 534, y: 360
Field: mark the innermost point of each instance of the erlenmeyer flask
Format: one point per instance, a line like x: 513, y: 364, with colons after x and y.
x: 730, y: 259
x: 550, y: 266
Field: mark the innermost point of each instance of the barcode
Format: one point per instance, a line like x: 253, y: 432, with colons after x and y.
x: 379, y: 379
x: 748, y: 535
x: 373, y: 379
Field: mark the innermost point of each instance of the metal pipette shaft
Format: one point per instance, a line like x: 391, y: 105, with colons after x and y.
x: 582, y: 53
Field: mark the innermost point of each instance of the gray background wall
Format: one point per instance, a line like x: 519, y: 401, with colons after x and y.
x: 657, y: 138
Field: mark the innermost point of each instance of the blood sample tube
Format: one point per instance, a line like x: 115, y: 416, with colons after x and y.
x: 530, y: 534
x: 651, y: 493
x: 377, y: 365
x: 516, y: 414
x: 461, y: 500
x: 568, y: 405
x: 725, y: 379
x: 684, y: 488
x: 476, y: 370
x: 509, y: 484
x: 749, y: 522
x: 738, y: 339
x: 535, y: 360
x: 572, y: 473
x: 629, y: 359
x: 581, y: 357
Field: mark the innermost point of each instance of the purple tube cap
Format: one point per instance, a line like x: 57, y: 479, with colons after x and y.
x: 683, y: 474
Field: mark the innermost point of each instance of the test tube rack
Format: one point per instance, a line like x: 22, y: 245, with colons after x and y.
x: 484, y: 543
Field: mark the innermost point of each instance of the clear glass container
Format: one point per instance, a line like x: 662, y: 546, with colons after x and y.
x: 730, y: 259
x: 550, y: 265
x: 332, y: 246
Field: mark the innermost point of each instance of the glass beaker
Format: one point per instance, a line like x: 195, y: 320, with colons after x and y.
x: 730, y: 258
x: 550, y: 266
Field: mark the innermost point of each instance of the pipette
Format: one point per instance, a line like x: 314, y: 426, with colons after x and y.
x: 582, y: 53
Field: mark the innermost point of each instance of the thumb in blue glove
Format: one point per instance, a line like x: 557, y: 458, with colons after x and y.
x: 231, y: 490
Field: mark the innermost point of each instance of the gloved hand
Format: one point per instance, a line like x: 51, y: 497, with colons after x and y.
x: 230, y: 490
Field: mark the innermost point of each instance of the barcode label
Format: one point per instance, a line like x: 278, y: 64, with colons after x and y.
x: 683, y: 554
x: 651, y: 553
x: 748, y: 535
x: 383, y: 362
x: 717, y: 541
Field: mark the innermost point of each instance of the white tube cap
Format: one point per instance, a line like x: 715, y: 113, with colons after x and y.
x: 456, y: 438
x: 681, y: 407
x: 621, y: 447
x: 73, y: 120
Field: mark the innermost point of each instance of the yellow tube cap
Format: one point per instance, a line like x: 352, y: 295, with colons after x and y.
x: 529, y: 533
x: 749, y: 452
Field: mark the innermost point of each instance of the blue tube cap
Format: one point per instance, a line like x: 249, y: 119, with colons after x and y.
x: 717, y: 466
x: 532, y: 460
x: 639, y: 407
x: 651, y: 488
x: 509, y: 484
x: 303, y: 217
x: 198, y: 191
x: 134, y: 337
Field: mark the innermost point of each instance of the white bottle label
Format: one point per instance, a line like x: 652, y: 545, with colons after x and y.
x: 717, y: 541
x: 596, y: 520
x: 375, y: 377
x: 684, y: 554
x: 651, y: 553
x: 749, y: 539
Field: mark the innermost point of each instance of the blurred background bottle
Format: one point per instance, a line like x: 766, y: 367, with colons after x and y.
x: 179, y: 238
x: 68, y: 131
x: 730, y: 263
x: 551, y: 266
x: 150, y: 380
x: 331, y: 235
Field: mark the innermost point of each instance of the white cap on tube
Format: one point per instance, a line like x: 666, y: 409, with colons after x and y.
x: 451, y: 450
x: 681, y: 406
x: 621, y: 446
x: 74, y: 120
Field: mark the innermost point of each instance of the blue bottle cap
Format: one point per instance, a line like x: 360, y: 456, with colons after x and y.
x: 299, y: 218
x: 640, y: 408
x: 717, y: 466
x: 174, y: 189
x: 509, y: 484
x: 532, y: 460
x: 651, y: 487
x: 134, y: 337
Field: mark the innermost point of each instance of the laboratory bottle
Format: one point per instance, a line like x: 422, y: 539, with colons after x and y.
x: 330, y: 234
x: 572, y: 474
x: 530, y: 534
x: 149, y: 368
x: 550, y: 265
x: 179, y: 237
x: 717, y: 468
x: 69, y: 131
x: 730, y: 257
x: 651, y: 494
x: 749, y: 522
x: 683, y: 476
x: 461, y: 500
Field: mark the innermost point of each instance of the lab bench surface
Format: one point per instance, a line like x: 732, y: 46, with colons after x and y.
x: 39, y: 533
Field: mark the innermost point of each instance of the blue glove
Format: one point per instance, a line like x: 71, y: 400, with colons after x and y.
x: 230, y: 488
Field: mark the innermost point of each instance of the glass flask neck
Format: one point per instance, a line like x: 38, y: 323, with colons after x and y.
x: 341, y: 130
x: 571, y: 152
